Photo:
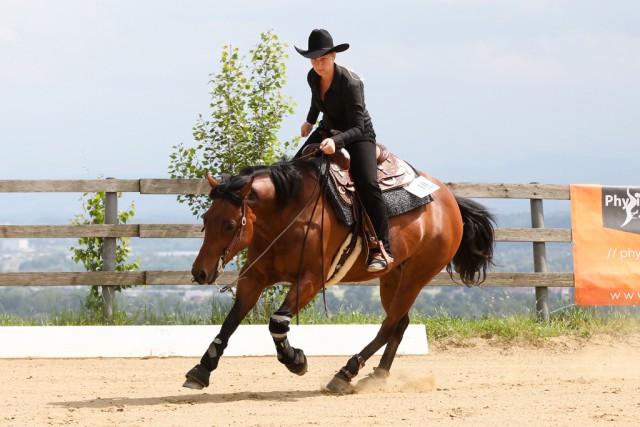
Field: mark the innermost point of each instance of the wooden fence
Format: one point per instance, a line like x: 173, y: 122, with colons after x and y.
x: 537, y: 234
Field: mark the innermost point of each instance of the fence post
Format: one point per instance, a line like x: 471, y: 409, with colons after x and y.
x: 540, y: 261
x: 109, y: 252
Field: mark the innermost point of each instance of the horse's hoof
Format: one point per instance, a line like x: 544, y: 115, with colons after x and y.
x: 197, y: 378
x: 300, y: 367
x: 193, y: 385
x: 339, y: 385
x: 375, y: 380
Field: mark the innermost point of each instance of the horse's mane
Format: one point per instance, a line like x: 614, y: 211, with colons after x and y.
x: 286, y: 176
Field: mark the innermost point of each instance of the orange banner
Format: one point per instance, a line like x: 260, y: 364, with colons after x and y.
x: 606, y: 252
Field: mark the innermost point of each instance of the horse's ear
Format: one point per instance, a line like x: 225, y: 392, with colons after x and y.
x: 244, y: 191
x: 212, y: 182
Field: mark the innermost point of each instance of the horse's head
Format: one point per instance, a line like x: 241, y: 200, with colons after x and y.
x: 226, y: 228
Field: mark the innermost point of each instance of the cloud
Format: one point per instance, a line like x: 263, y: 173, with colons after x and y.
x: 517, y: 65
x: 568, y: 59
x: 611, y: 58
x: 8, y: 36
x: 531, y: 4
x: 45, y: 42
x: 17, y: 63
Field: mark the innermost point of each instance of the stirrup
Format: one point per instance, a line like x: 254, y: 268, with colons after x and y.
x: 378, y: 263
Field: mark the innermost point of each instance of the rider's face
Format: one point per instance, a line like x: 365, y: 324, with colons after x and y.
x: 324, y: 64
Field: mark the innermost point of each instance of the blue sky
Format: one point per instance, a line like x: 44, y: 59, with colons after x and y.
x: 469, y: 90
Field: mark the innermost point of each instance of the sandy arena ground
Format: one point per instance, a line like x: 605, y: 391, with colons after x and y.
x: 566, y: 382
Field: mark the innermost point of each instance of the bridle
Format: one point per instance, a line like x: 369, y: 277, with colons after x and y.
x: 222, y: 261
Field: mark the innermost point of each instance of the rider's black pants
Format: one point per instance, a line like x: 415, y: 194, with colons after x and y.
x: 364, y: 170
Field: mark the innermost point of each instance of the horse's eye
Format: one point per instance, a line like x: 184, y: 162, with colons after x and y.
x: 230, y: 226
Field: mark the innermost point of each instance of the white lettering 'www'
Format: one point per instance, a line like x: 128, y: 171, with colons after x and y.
x: 627, y: 296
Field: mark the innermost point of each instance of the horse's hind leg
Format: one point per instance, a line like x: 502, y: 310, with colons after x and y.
x: 340, y: 383
x: 391, y: 326
x: 388, y: 288
x: 398, y: 295
x: 381, y: 372
x: 394, y: 342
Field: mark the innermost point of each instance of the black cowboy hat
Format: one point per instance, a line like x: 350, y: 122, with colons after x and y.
x: 320, y: 44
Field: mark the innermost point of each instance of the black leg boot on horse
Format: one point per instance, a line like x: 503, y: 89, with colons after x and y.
x: 293, y: 358
x: 267, y: 209
x: 198, y: 377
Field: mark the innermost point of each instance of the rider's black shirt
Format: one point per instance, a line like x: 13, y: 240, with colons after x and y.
x: 343, y: 108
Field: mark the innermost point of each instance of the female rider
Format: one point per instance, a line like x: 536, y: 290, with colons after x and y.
x: 338, y: 93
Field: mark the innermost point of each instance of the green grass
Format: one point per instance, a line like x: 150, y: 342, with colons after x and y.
x: 572, y: 321
x: 575, y: 321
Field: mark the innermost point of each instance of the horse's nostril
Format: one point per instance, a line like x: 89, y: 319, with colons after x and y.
x: 199, y: 275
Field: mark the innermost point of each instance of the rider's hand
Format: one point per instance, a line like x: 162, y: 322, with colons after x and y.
x: 306, y: 129
x: 328, y: 146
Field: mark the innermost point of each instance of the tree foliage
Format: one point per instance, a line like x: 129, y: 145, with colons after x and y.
x: 246, y: 111
x: 90, y: 250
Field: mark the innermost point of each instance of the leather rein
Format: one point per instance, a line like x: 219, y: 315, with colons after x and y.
x: 320, y: 181
x: 222, y: 261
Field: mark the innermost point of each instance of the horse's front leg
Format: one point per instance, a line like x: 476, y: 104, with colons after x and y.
x: 293, y: 358
x: 247, y: 294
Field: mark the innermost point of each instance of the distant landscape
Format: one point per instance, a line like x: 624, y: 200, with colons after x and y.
x: 46, y: 255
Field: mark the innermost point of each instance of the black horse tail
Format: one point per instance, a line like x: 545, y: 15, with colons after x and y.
x: 475, y: 254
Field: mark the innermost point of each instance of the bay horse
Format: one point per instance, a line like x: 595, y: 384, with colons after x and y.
x: 267, y: 210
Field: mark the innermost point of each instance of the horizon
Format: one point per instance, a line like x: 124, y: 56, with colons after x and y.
x: 468, y: 90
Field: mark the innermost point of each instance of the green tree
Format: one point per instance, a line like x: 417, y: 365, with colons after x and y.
x: 247, y: 109
x: 90, y: 250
